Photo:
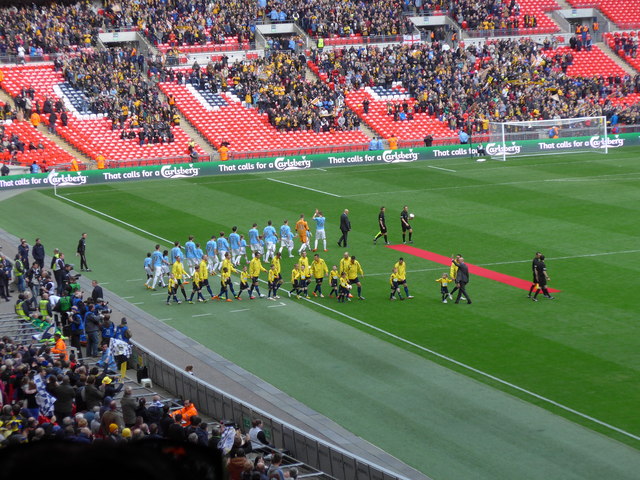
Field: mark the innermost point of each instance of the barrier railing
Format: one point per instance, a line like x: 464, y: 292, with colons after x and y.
x: 284, y: 152
x: 213, y: 402
x: 145, y: 162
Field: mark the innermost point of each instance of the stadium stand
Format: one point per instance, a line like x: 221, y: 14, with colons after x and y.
x: 414, y: 79
x: 625, y: 44
x: 23, y: 145
x: 28, y: 32
x: 625, y: 15
x: 92, y: 395
x: 88, y: 131
x: 264, y: 105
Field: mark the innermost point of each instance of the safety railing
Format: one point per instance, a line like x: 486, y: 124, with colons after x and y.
x: 215, y: 403
x: 284, y: 152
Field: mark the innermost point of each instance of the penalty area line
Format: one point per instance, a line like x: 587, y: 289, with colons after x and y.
x: 479, y: 372
x: 303, y: 187
x: 441, y: 168
x: 110, y: 217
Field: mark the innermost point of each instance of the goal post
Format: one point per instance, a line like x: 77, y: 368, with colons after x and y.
x: 547, y: 137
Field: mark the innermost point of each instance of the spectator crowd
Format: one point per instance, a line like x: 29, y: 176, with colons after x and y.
x: 114, y: 82
x: 469, y: 87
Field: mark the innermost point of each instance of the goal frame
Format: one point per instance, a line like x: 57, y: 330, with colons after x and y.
x: 504, y: 136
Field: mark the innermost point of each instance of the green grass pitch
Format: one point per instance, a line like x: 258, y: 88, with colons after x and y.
x: 581, y: 350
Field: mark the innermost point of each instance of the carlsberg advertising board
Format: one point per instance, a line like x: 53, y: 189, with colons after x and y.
x: 305, y: 162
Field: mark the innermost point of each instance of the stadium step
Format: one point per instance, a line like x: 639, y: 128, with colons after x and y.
x: 198, y: 138
x: 67, y: 147
x: 616, y: 58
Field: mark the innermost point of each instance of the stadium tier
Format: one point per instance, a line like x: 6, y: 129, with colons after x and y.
x: 36, y: 147
x: 229, y: 44
x: 90, y: 133
x: 624, y: 14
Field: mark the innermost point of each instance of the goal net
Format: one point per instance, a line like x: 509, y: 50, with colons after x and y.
x: 547, y: 137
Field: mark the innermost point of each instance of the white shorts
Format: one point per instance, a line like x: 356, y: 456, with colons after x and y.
x: 192, y: 262
x: 287, y: 242
x: 165, y: 269
x: 148, y: 270
x: 235, y: 252
x: 221, y: 255
x: 255, y: 247
x: 243, y: 250
x: 320, y: 235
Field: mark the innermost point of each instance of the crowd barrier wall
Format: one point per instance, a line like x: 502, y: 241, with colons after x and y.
x: 304, y: 162
x: 215, y: 403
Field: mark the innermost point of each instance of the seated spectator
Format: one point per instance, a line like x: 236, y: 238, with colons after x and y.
x: 186, y: 412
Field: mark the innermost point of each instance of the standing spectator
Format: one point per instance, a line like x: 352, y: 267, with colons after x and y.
x: 345, y: 228
x: 64, y: 394
x: 111, y: 416
x: 37, y: 252
x: 23, y: 251
x: 53, y: 118
x: 128, y: 406
x: 257, y: 436
x: 92, y: 395
x: 92, y: 328
x: 58, y: 272
x: 81, y: 251
x: 97, y: 292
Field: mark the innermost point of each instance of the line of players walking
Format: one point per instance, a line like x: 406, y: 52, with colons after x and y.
x: 224, y: 255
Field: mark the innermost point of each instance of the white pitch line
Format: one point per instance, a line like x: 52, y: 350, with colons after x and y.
x: 440, y: 168
x: 277, y: 306
x: 138, y: 303
x: 306, y: 188
x: 126, y: 298
x: 164, y: 319
x: 479, y: 372
x: 321, y: 169
x: 112, y: 218
x: 420, y: 347
x: 202, y: 315
x: 135, y: 280
x: 241, y: 310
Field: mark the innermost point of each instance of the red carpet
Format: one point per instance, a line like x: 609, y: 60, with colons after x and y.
x: 473, y: 269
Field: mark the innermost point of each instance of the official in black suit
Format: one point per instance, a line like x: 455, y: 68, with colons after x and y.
x: 345, y: 227
x: 462, y: 278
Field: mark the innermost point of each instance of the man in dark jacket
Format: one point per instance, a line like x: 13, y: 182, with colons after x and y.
x: 37, y: 252
x: 64, y: 394
x: 345, y: 227
x: 462, y: 278
x: 92, y: 328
